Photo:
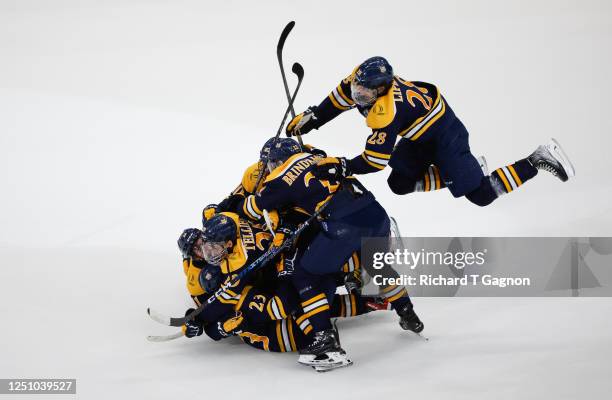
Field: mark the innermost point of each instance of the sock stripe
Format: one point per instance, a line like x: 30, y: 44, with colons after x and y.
x: 437, y: 174
x: 313, y: 299
x: 515, y: 175
x: 510, y: 178
x: 502, y: 176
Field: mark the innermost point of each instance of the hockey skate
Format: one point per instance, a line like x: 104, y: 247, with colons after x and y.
x: 324, y: 353
x: 552, y: 158
x: 409, y: 321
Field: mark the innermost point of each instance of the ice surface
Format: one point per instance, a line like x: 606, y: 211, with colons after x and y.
x: 120, y: 120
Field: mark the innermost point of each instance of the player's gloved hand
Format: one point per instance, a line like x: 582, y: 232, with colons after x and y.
x: 283, y: 235
x: 332, y: 168
x: 209, y: 211
x: 289, y: 259
x: 353, y: 282
x: 192, y: 328
x: 231, y: 326
x: 314, y: 151
x: 302, y: 123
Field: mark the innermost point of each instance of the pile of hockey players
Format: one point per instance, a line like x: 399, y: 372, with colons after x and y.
x: 288, y: 304
x: 300, y: 216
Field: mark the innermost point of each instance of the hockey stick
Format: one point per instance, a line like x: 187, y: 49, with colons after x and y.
x: 279, y: 55
x: 299, y: 71
x: 167, y: 338
x: 272, y: 252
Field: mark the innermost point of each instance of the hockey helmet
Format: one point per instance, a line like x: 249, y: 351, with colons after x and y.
x: 187, y: 239
x: 372, y: 78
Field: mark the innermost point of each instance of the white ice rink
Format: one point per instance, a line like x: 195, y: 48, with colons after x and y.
x: 120, y: 120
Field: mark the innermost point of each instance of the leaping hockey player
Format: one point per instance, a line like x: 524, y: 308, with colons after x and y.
x: 430, y: 134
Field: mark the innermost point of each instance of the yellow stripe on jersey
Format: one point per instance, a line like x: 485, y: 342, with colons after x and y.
x: 275, y: 308
x: 344, y: 96
x: 353, y: 306
x: 414, y: 131
x: 250, y: 208
x: 341, y: 100
x: 307, y: 330
x: 427, y: 184
x: 377, y: 155
x: 377, y: 166
x: 431, y: 122
x: 335, y: 102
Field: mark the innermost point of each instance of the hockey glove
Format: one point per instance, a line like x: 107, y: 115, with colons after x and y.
x: 283, y: 235
x: 288, y: 267
x: 231, y: 326
x: 334, y: 168
x: 303, y: 123
x: 314, y: 151
x: 192, y: 328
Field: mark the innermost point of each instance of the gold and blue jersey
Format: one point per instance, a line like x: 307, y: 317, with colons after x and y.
x: 251, y: 242
x: 291, y: 185
x: 409, y: 110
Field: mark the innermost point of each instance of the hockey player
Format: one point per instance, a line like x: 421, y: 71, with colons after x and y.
x: 352, y: 213
x: 224, y: 246
x: 252, y: 181
x: 429, y: 132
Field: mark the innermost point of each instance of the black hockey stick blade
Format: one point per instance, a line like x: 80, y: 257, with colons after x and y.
x: 299, y: 71
x: 283, y: 37
x: 279, y: 55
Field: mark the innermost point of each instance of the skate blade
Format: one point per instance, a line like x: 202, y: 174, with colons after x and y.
x: 306, y: 359
x: 333, y: 358
x: 327, y: 368
x: 557, y: 151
